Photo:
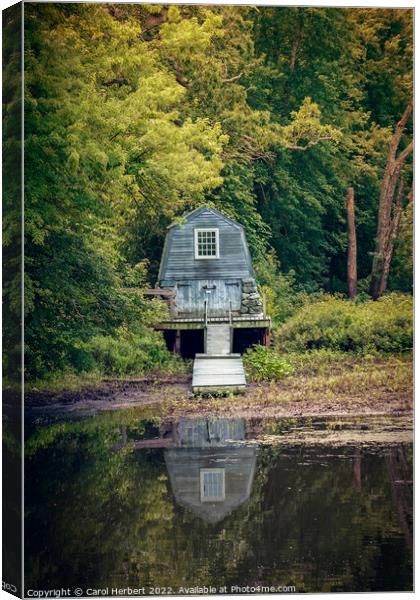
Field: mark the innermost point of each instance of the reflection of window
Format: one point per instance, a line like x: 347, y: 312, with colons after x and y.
x: 212, y: 485
x: 206, y: 243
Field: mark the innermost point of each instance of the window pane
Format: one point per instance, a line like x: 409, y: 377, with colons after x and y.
x: 206, y: 243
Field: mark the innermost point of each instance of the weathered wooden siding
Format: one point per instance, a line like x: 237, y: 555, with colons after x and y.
x: 190, y: 296
x: 179, y: 262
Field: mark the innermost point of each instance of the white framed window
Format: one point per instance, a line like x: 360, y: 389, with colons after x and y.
x: 206, y: 243
x: 212, y: 485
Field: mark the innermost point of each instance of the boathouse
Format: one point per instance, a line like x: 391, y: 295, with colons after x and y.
x: 215, y: 309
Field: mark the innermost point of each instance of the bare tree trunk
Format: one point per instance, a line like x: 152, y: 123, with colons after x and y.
x: 389, y: 182
x: 295, y: 48
x: 352, y: 246
x: 296, y: 41
x: 393, y: 232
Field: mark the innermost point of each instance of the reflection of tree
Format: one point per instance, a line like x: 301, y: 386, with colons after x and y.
x: 400, y: 478
x: 83, y: 492
x: 329, y: 524
x: 103, y: 517
x: 357, y: 466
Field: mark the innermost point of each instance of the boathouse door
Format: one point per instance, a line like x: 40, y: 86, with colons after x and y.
x: 219, y: 293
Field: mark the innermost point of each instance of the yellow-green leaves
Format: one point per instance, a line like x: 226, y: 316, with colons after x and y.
x: 306, y: 129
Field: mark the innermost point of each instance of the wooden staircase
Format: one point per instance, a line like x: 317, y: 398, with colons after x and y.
x: 218, y: 370
x: 218, y: 339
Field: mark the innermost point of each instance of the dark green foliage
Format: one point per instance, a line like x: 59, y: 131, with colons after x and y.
x: 12, y: 193
x: 127, y: 353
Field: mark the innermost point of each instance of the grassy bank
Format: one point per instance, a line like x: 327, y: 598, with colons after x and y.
x: 331, y: 357
x: 321, y: 384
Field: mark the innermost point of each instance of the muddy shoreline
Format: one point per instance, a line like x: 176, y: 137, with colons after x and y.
x: 108, y: 395
x: 171, y: 395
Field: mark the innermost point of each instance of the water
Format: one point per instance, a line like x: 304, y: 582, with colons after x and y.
x: 117, y: 501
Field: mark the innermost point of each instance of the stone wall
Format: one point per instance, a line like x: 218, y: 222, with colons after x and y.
x: 251, y: 302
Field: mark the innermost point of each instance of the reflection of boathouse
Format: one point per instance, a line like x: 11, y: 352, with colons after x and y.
x: 211, y: 474
x: 210, y: 466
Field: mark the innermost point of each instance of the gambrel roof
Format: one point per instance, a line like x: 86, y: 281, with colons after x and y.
x: 178, y: 261
x: 204, y: 209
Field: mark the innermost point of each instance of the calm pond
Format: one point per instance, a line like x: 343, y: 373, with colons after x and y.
x: 119, y: 500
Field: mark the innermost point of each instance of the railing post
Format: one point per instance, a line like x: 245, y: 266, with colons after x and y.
x: 230, y: 327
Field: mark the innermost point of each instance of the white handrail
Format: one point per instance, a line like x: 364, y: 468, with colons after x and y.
x: 230, y: 327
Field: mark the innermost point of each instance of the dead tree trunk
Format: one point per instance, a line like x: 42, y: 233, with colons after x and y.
x: 393, y: 232
x: 389, y: 182
x: 351, y: 246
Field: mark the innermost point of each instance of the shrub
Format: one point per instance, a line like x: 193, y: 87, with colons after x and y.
x: 128, y: 353
x: 338, y: 324
x: 264, y: 364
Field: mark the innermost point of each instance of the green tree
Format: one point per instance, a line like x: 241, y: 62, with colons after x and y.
x: 104, y: 144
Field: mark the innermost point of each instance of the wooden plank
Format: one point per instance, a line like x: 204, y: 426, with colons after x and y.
x: 165, y: 293
x: 213, y: 378
x: 220, y: 373
x: 239, y: 323
x: 154, y: 443
x: 222, y: 360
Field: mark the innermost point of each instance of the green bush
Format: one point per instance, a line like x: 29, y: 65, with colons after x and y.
x: 265, y: 364
x: 362, y: 328
x: 128, y: 353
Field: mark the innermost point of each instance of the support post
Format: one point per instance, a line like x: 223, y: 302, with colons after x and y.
x: 178, y: 341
